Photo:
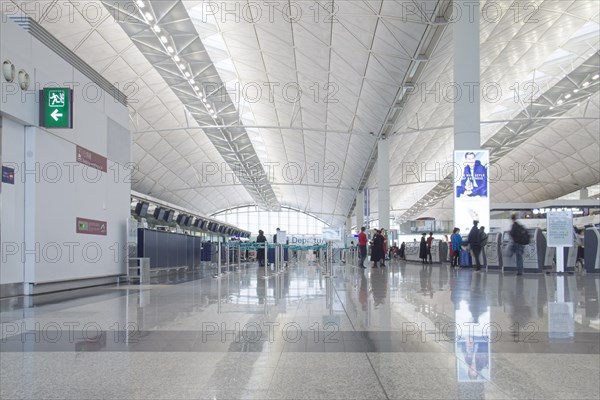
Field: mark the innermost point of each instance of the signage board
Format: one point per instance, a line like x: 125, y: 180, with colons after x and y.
x: 91, y: 226
x: 559, y: 228
x: 91, y: 159
x: 56, y: 108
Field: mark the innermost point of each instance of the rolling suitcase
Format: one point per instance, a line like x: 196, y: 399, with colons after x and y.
x: 464, y: 258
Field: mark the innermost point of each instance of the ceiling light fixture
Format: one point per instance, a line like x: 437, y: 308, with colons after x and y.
x: 595, y: 76
x: 156, y: 28
x: 176, y: 58
x: 187, y: 75
x: 576, y: 91
x: 149, y: 17
x: 182, y: 66
x: 559, y: 102
x: 552, y: 108
x: 586, y: 84
x: 170, y: 50
x: 164, y: 39
x: 568, y: 96
x: 140, y: 4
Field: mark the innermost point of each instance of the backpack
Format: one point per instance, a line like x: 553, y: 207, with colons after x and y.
x: 521, y: 235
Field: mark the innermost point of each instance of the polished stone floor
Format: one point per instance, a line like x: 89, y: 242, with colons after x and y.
x: 400, y: 332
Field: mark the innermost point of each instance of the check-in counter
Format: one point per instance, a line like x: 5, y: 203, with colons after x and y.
x: 493, y: 253
x: 569, y: 258
x: 439, y: 251
x: 549, y: 258
x: 411, y: 251
x: 591, y: 255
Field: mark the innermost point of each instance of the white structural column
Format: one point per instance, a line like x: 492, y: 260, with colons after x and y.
x: 383, y: 184
x: 348, y: 231
x: 466, y: 75
x: 360, y: 210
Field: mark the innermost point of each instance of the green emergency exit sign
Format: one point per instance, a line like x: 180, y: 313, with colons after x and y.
x: 56, y: 108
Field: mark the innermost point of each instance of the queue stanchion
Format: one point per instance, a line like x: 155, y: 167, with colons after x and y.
x: 323, y: 261
x: 227, y: 261
x: 276, y: 259
x: 218, y: 274
x: 266, y: 259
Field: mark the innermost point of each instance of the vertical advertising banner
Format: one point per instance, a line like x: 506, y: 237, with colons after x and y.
x: 367, y: 208
x: 471, y: 189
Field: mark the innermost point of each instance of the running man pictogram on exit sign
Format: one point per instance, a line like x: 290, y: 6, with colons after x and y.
x: 56, y: 108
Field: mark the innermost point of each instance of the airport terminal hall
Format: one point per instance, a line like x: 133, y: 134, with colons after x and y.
x: 300, y: 199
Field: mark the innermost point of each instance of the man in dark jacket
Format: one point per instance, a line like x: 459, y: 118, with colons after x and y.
x: 261, y: 240
x: 475, y: 244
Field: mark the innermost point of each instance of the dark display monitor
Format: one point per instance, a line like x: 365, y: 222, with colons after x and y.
x: 169, y: 214
x: 181, y: 219
x: 159, y: 213
x: 188, y: 220
x: 141, y: 209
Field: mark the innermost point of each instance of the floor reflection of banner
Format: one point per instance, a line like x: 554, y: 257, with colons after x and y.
x: 472, y: 343
x: 471, y: 188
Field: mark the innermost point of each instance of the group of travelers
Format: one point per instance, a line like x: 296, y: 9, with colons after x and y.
x: 378, y: 247
x: 475, y: 245
x: 476, y: 242
x: 478, y: 239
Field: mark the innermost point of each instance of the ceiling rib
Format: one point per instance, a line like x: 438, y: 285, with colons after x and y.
x: 183, y: 60
x: 427, y: 45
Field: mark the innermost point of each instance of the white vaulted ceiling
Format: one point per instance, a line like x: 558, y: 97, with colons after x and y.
x: 335, y: 71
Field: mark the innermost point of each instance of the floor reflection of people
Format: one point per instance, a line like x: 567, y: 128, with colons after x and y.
x: 460, y: 286
x: 379, y: 286
x: 363, y: 294
x: 425, y: 278
x: 520, y: 309
x: 478, y: 301
x: 260, y: 285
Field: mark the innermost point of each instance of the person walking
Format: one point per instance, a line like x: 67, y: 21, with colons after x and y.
x: 475, y: 244
x: 362, y: 246
x: 456, y: 242
x: 520, y: 238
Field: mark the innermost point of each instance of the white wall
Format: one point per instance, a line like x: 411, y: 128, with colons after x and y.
x: 39, y: 212
x: 13, y: 145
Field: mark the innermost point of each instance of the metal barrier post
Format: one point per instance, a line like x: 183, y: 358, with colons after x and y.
x: 266, y: 259
x: 227, y: 262
x: 277, y: 266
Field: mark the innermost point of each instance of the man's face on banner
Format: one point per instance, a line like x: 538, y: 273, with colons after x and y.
x: 470, y: 160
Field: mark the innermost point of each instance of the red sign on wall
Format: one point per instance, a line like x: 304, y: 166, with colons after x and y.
x: 91, y: 226
x: 91, y: 159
